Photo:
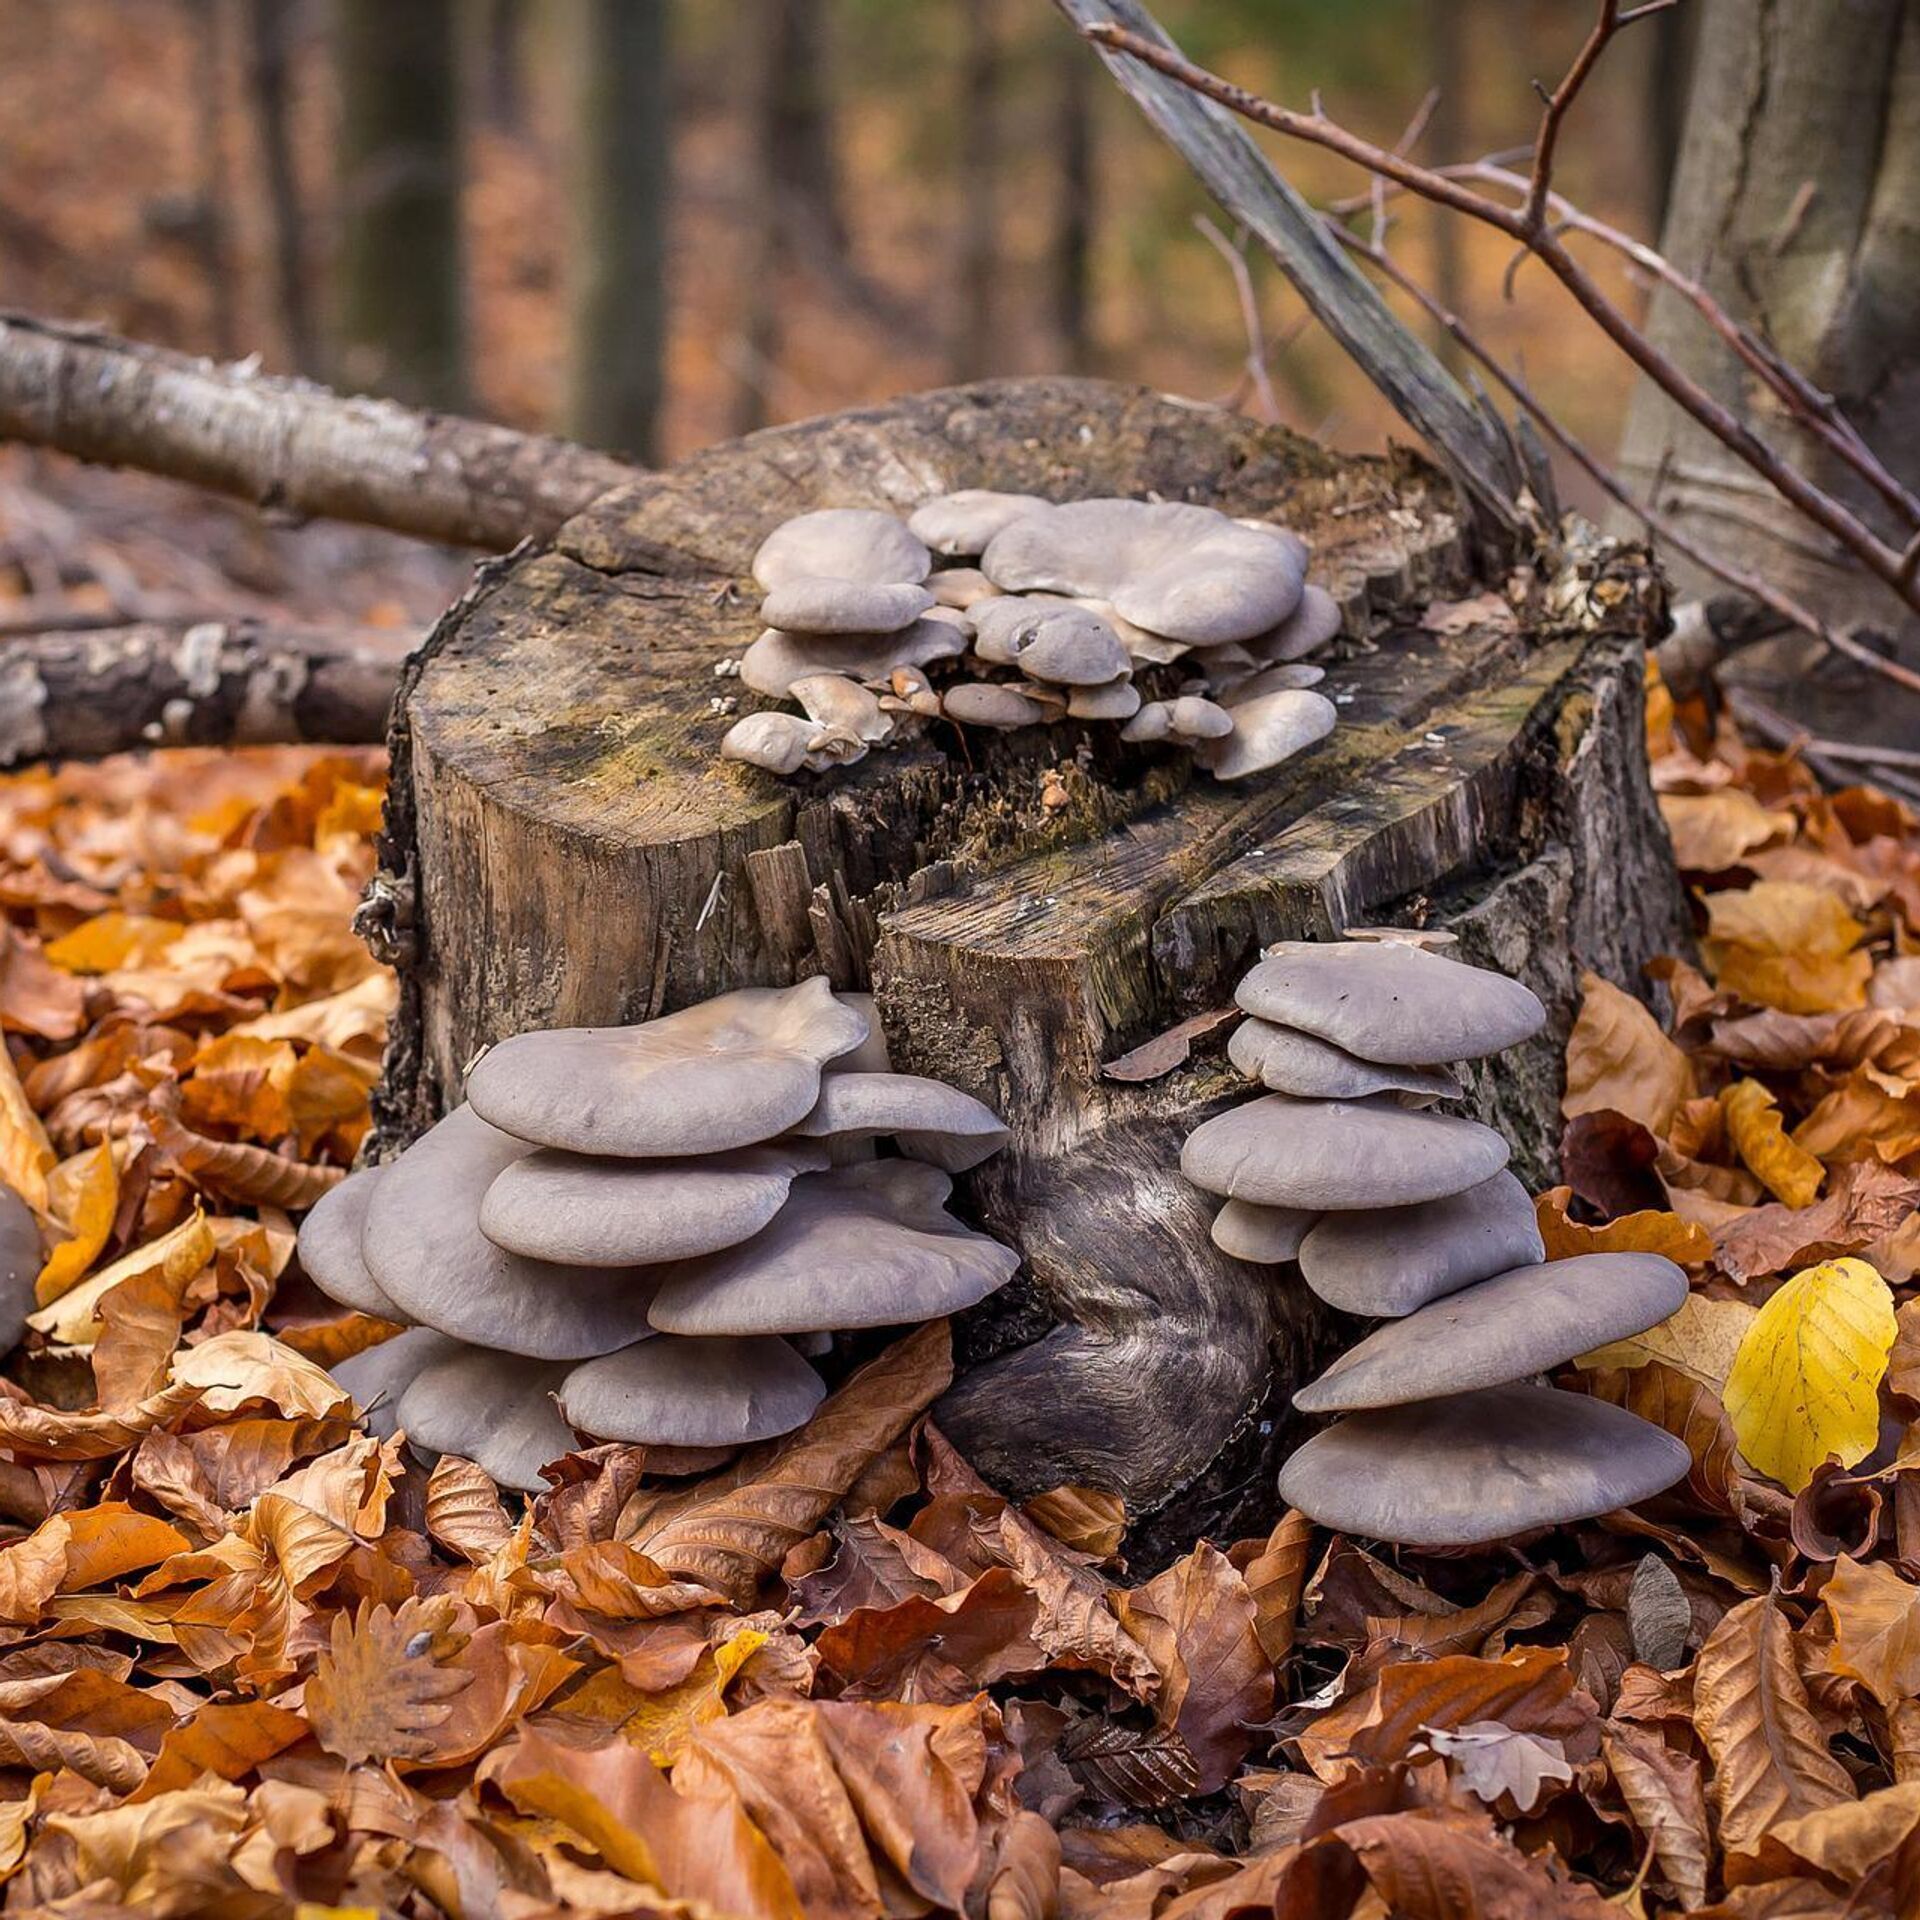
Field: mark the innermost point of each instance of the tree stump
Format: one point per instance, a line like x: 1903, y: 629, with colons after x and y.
x: 565, y: 846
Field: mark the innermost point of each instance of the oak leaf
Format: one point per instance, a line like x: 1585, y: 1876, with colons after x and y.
x: 1491, y: 1761
x: 385, y: 1686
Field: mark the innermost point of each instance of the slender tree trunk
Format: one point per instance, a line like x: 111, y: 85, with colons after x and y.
x: 801, y: 121
x: 618, y: 293
x: 401, y: 270
x: 1447, y: 136
x: 1796, y: 199
x: 1074, y: 222
x: 213, y: 225
x: 979, y: 137
x: 269, y: 51
x: 1669, y: 53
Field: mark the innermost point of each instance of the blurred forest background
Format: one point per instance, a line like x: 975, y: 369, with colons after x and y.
x: 650, y: 225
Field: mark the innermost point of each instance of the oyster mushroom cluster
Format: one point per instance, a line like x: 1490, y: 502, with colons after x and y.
x: 1399, y: 1212
x: 638, y: 1233
x: 1003, y: 610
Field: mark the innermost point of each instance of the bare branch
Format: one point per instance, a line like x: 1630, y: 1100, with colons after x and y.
x: 1256, y: 361
x: 1533, y: 210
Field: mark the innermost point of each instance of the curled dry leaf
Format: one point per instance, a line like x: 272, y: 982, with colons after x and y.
x: 1620, y: 1061
x: 1663, y: 1792
x: 1493, y: 1762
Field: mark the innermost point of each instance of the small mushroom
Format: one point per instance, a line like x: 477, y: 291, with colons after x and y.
x: 1311, y: 624
x: 423, y: 1245
x: 1384, y: 1000
x: 1265, y: 1235
x: 1151, y: 721
x: 378, y: 1376
x: 1388, y: 1263
x: 1049, y: 640
x: 910, y: 691
x: 1290, y: 678
x: 960, y: 587
x: 841, y: 543
x: 776, y: 741
x: 1508, y: 1328
x: 1481, y: 1466
x: 1323, y: 1154
x: 930, y: 1120
x: 329, y: 1247
x: 870, y: 1056
x: 672, y: 1392
x: 965, y: 521
x: 582, y: 1212
x: 19, y: 1265
x: 861, y: 1246
x: 987, y: 703
x: 844, y: 606
x: 1191, y: 718
x: 1117, y: 700
x: 729, y: 1072
x: 841, y: 705
x: 1268, y: 729
x: 776, y: 660
x: 495, y: 1409
x: 1289, y: 1061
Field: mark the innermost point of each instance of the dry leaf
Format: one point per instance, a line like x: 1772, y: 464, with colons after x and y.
x: 1876, y: 1629
x: 1664, y: 1795
x: 1787, y: 1171
x: 1711, y: 831
x: 1789, y: 946
x: 1492, y: 1761
x: 1619, y: 1060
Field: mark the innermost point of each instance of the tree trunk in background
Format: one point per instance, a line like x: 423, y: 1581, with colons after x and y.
x: 212, y: 224
x: 1445, y: 143
x: 978, y: 137
x: 1073, y: 226
x: 269, y: 50
x: 800, y: 122
x: 618, y: 293
x: 502, y: 82
x: 1669, y: 53
x: 402, y: 313
x: 1797, y: 200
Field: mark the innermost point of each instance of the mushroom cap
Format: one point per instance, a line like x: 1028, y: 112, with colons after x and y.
x: 1387, y: 1001
x: 1511, y: 1327
x: 1321, y: 1154
x: 841, y: 543
x: 20, y: 1264
x: 1049, y: 640
x: 1144, y: 648
x: 1192, y: 718
x: 1269, y: 728
x: 668, y: 1392
x: 960, y: 587
x: 776, y: 741
x: 378, y: 1376
x: 776, y: 660
x: 816, y: 606
x: 931, y: 1120
x: 726, y: 1073
x: 987, y: 703
x: 1181, y: 571
x: 627, y: 1213
x: 1265, y: 1235
x: 861, y: 1246
x: 845, y: 706
x: 1117, y: 700
x: 1311, y: 624
x: 870, y: 1056
x: 1480, y: 1466
x: 1289, y: 678
x: 330, y: 1247
x: 422, y: 1243
x: 495, y: 1409
x: 1309, y: 1068
x: 963, y: 522
x: 1387, y: 1263
x: 1153, y: 721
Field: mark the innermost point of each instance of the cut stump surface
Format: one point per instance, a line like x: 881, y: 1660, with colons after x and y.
x: 566, y: 847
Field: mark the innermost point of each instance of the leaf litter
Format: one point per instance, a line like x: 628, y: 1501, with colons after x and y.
x: 253, y: 1661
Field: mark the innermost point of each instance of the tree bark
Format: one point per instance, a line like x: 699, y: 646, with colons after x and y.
x: 402, y: 266
x: 77, y: 696
x: 286, y: 445
x: 1794, y: 200
x: 269, y: 54
x: 618, y: 272
x: 565, y: 847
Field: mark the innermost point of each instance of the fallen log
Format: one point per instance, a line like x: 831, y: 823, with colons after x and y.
x: 565, y: 846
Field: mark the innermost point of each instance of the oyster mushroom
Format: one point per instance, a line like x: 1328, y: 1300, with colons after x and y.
x: 1289, y: 1061
x: 495, y: 1409
x: 1315, y: 621
x: 960, y: 587
x: 986, y: 703
x: 844, y: 606
x: 1049, y: 640
x: 673, y: 1392
x: 1151, y: 721
x: 842, y: 706
x: 19, y: 1265
x: 329, y: 1247
x: 776, y: 741
x: 1289, y: 678
x: 1192, y: 718
x: 776, y: 660
x: 930, y: 1120
x: 841, y: 543
x: 1265, y: 1235
x: 378, y: 1376
x: 1116, y: 700
x: 965, y: 521
x: 1268, y: 729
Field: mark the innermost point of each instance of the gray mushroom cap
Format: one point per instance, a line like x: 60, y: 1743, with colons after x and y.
x: 583, y: 1212
x: 1152, y: 721
x: 841, y: 543
x: 726, y: 1073
x: 987, y: 703
x: 670, y: 1392
x: 1508, y: 1328
x: 1392, y: 1261
x: 1387, y: 1001
x: 1309, y: 1068
x: 931, y: 1120
x: 1049, y: 640
x: 330, y: 1247
x: 861, y: 1246
x: 842, y: 706
x: 20, y: 1265
x: 776, y: 660
x: 844, y: 606
x: 1265, y: 1235
x: 870, y: 1056
x: 779, y: 742
x: 1321, y: 1154
x: 1315, y: 621
x: 1117, y: 700
x: 964, y: 522
x: 1480, y: 1466
x: 960, y: 587
x: 1192, y: 718
x: 1292, y: 677
x: 1267, y: 729
x: 495, y: 1409
x: 423, y: 1245
x: 378, y: 1376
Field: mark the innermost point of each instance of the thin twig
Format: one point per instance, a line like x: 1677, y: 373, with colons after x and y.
x: 1256, y: 361
x: 1828, y: 759
x: 1533, y: 210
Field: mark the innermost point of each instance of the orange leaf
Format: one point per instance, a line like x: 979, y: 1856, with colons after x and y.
x: 1876, y: 1629
x: 1619, y: 1060
x: 1650, y: 1231
x: 112, y: 940
x: 83, y: 1195
x: 26, y: 1154
x: 1787, y: 945
x: 1759, y: 1136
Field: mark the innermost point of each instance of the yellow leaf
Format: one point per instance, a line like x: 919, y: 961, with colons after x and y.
x: 26, y: 1154
x: 1710, y: 831
x: 1700, y: 1340
x: 110, y: 941
x: 1805, y: 1381
x: 82, y: 1194
x: 1759, y: 1136
x: 1787, y: 945
x: 69, y: 1318
x: 665, y: 1721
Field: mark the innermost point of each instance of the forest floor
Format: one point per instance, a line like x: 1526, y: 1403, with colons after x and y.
x: 255, y: 1662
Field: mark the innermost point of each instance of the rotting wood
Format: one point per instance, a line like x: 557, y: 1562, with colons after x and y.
x: 572, y: 850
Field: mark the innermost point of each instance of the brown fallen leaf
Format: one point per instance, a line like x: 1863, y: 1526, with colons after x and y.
x: 1275, y: 1571
x: 1663, y: 1792
x: 385, y: 1687
x: 1759, y: 1136
x: 1652, y: 1231
x: 1711, y: 831
x: 1865, y: 1201
x: 1085, y: 1518
x: 1156, y: 1058
x: 928, y: 1650
x: 1876, y: 1629
x: 1620, y: 1061
x: 1787, y: 945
